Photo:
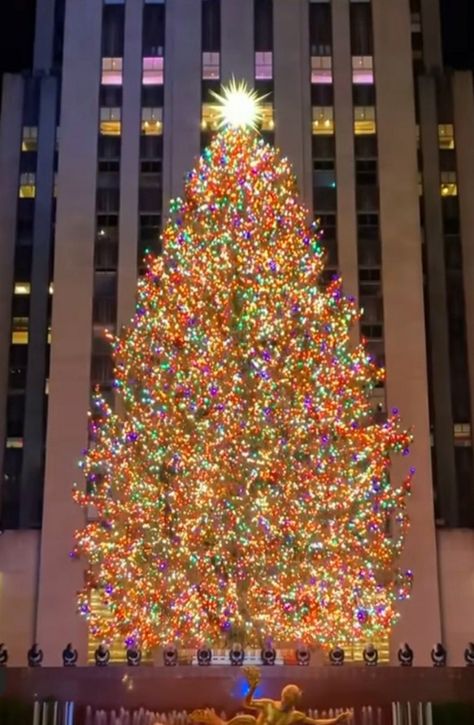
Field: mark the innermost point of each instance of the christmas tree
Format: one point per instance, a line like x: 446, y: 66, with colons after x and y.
x: 242, y: 486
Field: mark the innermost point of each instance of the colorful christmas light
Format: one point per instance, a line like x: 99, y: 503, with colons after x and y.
x: 242, y: 487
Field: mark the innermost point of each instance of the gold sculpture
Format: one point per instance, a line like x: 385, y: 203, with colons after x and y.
x: 270, y: 712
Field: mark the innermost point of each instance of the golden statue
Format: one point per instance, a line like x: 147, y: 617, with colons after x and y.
x: 270, y: 712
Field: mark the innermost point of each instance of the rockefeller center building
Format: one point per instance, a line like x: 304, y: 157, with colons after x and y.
x: 96, y: 140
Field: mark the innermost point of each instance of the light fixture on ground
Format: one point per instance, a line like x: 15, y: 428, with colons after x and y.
x: 134, y: 656
x: 102, y: 656
x: 204, y: 656
x: 439, y: 655
x: 236, y: 654
x: 170, y: 656
x: 268, y: 655
x: 303, y: 656
x: 35, y: 656
x: 69, y: 656
x: 3, y: 655
x: 405, y: 655
x: 469, y: 654
x: 370, y: 655
x: 336, y: 656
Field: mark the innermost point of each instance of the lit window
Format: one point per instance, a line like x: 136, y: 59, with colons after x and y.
x: 112, y: 71
x: 446, y: 136
x: 30, y: 138
x: 48, y: 338
x: 153, y: 71
x: 14, y: 443
x: 323, y: 120
x: 152, y: 121
x: 362, y: 69
x: 27, y: 186
x: 210, y: 66
x: 22, y: 288
x: 364, y: 120
x: 267, y: 123
x: 110, y: 121
x: 51, y: 288
x: 210, y: 117
x: 321, y: 69
x: 20, y: 331
x: 263, y: 66
x: 449, y: 186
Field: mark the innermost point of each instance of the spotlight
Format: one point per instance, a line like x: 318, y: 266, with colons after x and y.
x: 370, y: 655
x: 268, y: 655
x: 468, y: 654
x: 69, y: 656
x: 336, y: 656
x: 405, y: 655
x: 35, y: 656
x: 3, y: 655
x: 303, y: 656
x: 204, y: 656
x: 170, y: 657
x: 134, y: 657
x: 438, y: 655
x: 236, y: 654
x: 102, y: 656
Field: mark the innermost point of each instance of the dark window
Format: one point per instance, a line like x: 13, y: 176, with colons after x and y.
x: 322, y: 94
x: 464, y: 472
x: 365, y: 147
x: 211, y: 30
x: 153, y: 30
x: 320, y: 30
x: 108, y: 200
x: 113, y: 22
x: 363, y: 94
x: 15, y: 415
x: 263, y: 16
x: 110, y: 96
x: 361, y: 28
x: 366, y: 172
x: 109, y: 147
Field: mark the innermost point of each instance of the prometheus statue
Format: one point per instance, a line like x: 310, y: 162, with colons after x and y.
x: 270, y: 712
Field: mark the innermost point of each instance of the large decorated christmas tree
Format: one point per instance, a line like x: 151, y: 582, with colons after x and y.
x: 242, y: 486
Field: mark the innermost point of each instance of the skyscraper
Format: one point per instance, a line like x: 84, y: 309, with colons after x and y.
x: 97, y: 139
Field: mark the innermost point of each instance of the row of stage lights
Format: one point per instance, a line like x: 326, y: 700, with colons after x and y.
x: 268, y: 656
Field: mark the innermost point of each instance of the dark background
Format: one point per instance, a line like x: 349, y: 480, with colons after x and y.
x: 17, y: 27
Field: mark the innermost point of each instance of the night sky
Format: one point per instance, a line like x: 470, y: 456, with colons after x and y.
x: 17, y: 22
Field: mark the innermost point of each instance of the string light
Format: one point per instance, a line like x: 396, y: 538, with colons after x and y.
x: 242, y: 489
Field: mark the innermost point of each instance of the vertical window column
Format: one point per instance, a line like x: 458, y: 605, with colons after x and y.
x: 108, y: 194
x: 150, y: 199
x: 210, y: 50
x: 263, y: 41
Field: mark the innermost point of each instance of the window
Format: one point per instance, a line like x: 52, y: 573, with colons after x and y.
x: 320, y: 28
x: 321, y: 69
x: 323, y: 120
x: 153, y: 69
x: 30, y: 138
x: 209, y: 117
x: 446, y: 136
x: 263, y: 24
x: 112, y: 71
x: 113, y: 26
x: 361, y: 28
x: 211, y: 25
x: 14, y: 443
x: 263, y: 65
x: 110, y: 121
x: 152, y: 121
x: 267, y: 122
x: 20, y: 331
x: 366, y: 172
x: 449, y: 185
x: 153, y: 29
x: 362, y: 69
x: 364, y: 120
x: 22, y: 288
x: 210, y: 66
x: 27, y: 186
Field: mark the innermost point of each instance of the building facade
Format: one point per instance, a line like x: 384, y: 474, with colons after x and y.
x: 94, y: 143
